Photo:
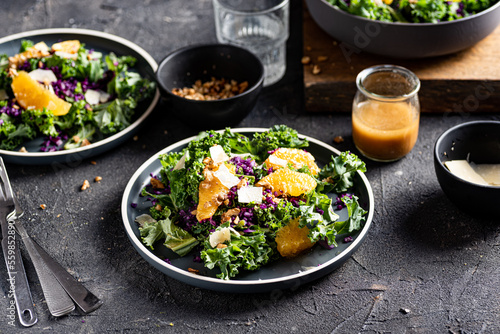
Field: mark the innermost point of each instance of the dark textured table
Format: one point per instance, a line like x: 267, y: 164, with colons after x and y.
x: 425, y: 267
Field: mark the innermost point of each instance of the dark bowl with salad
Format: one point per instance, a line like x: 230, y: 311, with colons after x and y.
x: 70, y: 94
x: 406, y: 29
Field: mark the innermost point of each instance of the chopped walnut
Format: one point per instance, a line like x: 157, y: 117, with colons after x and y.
x: 316, y: 70
x: 211, y: 90
x: 195, y: 271
x: 85, y: 185
x: 226, y: 216
x: 322, y: 58
x: 43, y: 206
x: 93, y: 162
x: 305, y: 60
x: 157, y: 184
x: 338, y: 139
x: 97, y: 179
x: 243, y: 183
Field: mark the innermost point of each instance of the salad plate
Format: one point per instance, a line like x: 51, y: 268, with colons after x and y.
x: 99, y: 41
x: 282, y: 274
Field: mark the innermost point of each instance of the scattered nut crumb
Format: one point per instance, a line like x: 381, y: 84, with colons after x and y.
x: 316, y: 70
x: 43, y: 206
x: 191, y: 270
x: 59, y: 215
x: 85, y: 185
x: 93, y: 162
x: 306, y: 60
x: 97, y: 179
x: 23, y: 150
x: 338, y: 139
x: 322, y: 58
x: 136, y: 138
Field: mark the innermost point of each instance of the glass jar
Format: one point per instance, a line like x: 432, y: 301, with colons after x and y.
x: 386, y: 112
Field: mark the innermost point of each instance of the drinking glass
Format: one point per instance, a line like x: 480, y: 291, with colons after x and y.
x: 261, y: 26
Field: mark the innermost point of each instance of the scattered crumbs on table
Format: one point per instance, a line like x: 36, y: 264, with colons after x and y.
x: 93, y: 162
x: 43, y: 206
x: 97, y: 179
x: 85, y: 185
x: 171, y: 324
x: 305, y: 60
x: 322, y: 58
x: 316, y: 70
x: 338, y: 139
x: 59, y: 215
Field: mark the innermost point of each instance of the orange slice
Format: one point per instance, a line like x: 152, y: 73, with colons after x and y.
x: 211, y: 192
x: 292, y: 240
x: 288, y: 182
x: 295, y: 156
x: 32, y: 95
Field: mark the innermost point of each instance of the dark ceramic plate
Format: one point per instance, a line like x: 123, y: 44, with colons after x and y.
x: 283, y: 274
x: 403, y: 40
x: 99, y: 41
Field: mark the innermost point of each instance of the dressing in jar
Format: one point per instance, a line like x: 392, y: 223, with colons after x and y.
x: 386, y: 112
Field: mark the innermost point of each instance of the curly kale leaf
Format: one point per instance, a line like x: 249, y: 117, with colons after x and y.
x: 242, y: 253
x: 338, y: 174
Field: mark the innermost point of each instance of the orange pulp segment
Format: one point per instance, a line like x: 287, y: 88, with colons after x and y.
x: 296, y: 157
x: 292, y: 240
x: 32, y: 95
x: 288, y: 182
x: 210, y: 194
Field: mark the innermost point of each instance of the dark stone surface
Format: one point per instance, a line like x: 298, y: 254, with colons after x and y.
x: 425, y: 267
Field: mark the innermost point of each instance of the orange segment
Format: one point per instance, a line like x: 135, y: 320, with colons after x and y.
x: 211, y: 192
x: 295, y: 156
x: 292, y: 240
x: 32, y: 95
x: 288, y: 182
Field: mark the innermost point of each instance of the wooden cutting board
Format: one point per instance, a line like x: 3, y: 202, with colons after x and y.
x: 468, y: 81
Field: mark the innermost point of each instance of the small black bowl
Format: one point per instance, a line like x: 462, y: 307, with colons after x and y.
x: 479, y: 142
x: 202, y: 62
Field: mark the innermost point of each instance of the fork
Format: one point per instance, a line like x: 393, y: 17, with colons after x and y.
x: 19, y: 287
x: 87, y: 301
x: 58, y: 301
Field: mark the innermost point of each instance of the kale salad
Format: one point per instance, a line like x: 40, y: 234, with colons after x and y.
x: 413, y: 11
x: 237, y: 202
x: 67, y: 94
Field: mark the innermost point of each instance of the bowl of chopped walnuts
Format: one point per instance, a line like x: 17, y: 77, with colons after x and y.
x: 213, y: 85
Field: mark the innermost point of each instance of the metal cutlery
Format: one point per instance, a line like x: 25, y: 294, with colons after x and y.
x: 19, y: 286
x: 61, y: 290
x: 82, y: 297
x: 58, y: 301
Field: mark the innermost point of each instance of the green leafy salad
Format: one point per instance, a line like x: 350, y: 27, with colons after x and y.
x: 67, y: 94
x: 238, y: 203
x: 413, y: 11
